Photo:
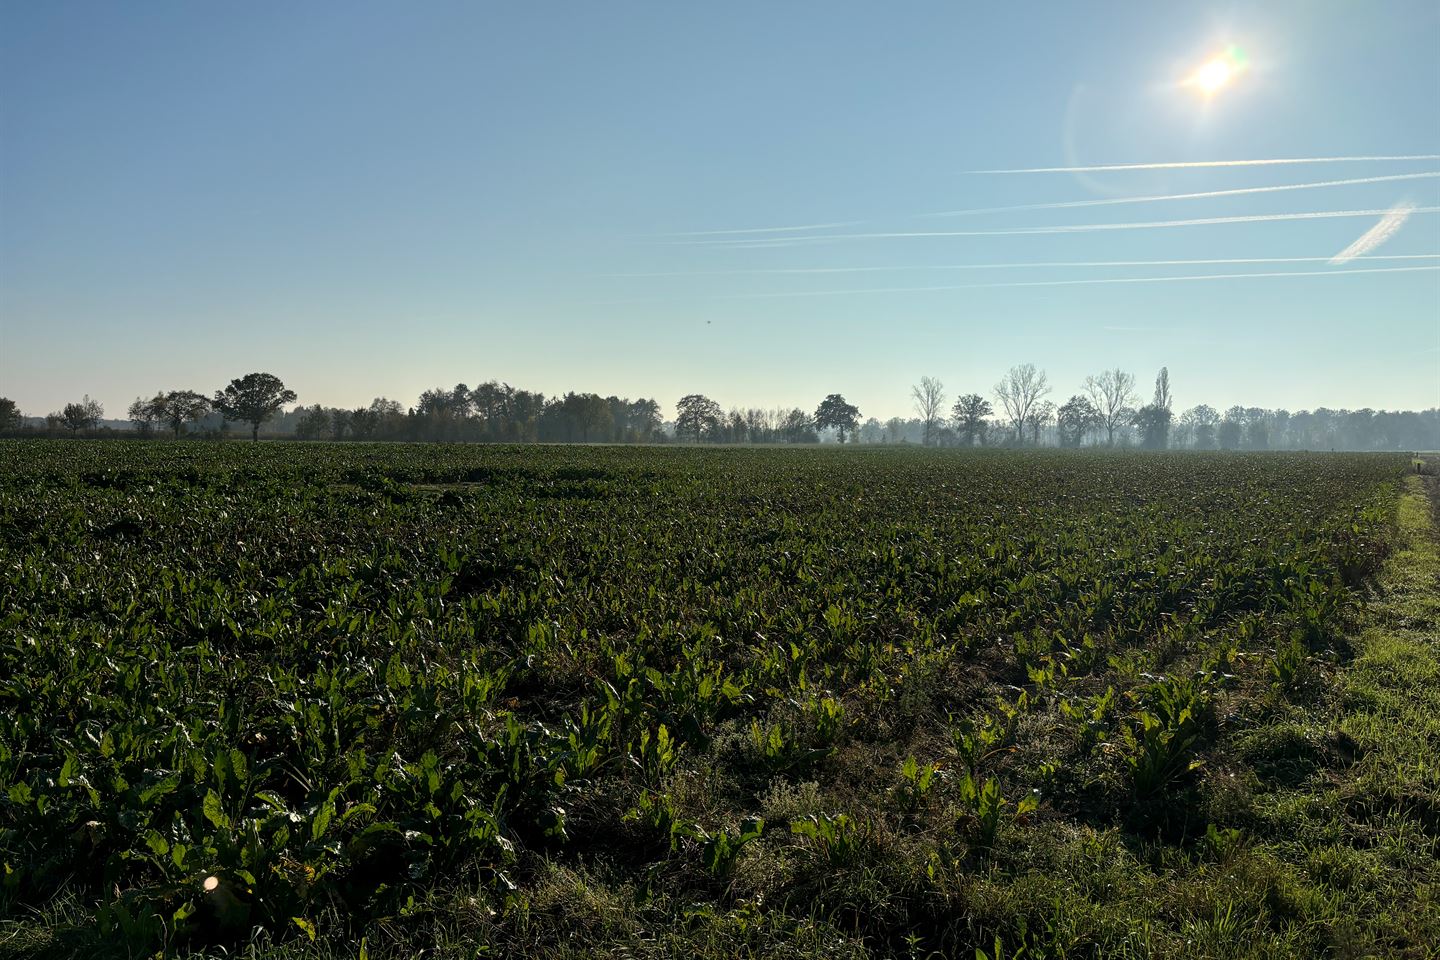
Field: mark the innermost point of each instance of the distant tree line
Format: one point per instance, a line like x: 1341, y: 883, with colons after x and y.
x: 698, y: 419
x: 253, y: 400
x: 499, y: 413
x: 491, y: 412
x: 1107, y: 412
x: 1017, y: 411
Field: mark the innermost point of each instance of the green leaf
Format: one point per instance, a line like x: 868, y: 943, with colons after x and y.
x: 323, y: 816
x: 360, y: 810
x: 305, y: 925
x: 214, y: 812
x: 397, y: 675
x: 271, y: 801
x: 158, y: 844
x: 238, y: 765
x: 159, y: 789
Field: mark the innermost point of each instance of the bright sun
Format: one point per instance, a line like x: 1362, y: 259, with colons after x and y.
x: 1218, y: 72
x: 1213, y: 75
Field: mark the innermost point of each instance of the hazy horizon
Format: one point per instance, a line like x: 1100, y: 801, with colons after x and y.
x: 761, y: 204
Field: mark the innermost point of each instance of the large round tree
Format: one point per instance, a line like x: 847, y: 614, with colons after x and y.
x: 253, y: 399
x: 835, y: 412
x: 696, y: 415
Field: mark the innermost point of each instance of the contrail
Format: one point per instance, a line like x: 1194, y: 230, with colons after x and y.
x: 1109, y: 201
x: 808, y: 226
x: 1069, y: 283
x: 770, y: 271
x: 1389, y: 224
x: 1073, y: 228
x: 1209, y: 163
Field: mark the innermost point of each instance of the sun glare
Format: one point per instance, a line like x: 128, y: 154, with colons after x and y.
x: 1219, y: 72
x: 1213, y: 76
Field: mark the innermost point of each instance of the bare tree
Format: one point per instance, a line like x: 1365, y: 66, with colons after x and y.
x: 755, y: 426
x: 734, y: 427
x: 1112, y: 393
x: 1019, y: 393
x: 929, y: 396
x: 1040, y: 417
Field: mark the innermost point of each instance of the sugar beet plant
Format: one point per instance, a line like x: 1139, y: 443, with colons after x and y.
x: 296, y: 689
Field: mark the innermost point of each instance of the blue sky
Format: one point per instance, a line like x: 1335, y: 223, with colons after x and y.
x: 374, y: 199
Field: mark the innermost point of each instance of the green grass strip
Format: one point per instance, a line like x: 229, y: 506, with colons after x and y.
x: 1389, y: 706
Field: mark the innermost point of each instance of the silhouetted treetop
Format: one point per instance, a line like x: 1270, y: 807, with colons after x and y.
x: 253, y: 399
x: 834, y: 412
x: 696, y: 414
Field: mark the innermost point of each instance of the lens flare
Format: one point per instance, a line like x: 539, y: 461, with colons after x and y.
x: 1219, y: 72
x: 1213, y: 76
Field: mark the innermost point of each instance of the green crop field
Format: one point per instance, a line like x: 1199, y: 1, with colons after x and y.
x: 290, y: 700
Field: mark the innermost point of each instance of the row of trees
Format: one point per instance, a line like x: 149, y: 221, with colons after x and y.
x: 1105, y: 412
x: 699, y: 419
x: 492, y: 412
x: 1203, y: 428
x: 1107, y: 406
x: 498, y: 412
x: 252, y: 399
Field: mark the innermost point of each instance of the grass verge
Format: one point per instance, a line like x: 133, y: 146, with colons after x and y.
x: 1361, y: 832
